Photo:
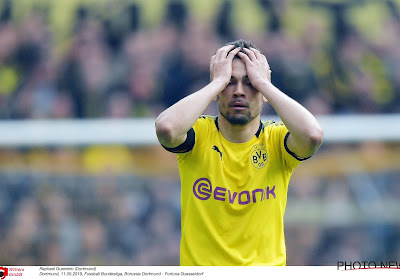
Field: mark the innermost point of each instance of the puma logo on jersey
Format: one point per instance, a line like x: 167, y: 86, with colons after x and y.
x: 215, y: 148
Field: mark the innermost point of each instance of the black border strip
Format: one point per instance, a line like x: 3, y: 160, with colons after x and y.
x: 185, y: 146
x: 290, y: 152
x: 259, y: 129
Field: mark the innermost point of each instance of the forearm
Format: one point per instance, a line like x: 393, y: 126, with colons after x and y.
x: 173, y: 124
x: 304, y: 128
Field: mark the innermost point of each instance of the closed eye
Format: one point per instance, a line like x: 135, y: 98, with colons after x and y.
x: 248, y: 83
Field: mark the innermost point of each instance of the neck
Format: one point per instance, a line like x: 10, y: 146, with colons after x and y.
x: 238, y: 133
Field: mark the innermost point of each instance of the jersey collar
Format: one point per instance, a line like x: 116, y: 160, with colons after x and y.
x: 257, y: 133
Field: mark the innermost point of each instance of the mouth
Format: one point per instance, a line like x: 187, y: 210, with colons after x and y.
x: 238, y: 105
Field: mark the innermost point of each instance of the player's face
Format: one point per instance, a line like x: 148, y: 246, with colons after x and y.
x: 239, y: 103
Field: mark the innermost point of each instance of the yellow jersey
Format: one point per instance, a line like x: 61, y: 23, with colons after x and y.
x: 233, y: 195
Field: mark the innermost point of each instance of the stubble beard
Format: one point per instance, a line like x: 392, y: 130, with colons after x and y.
x: 237, y: 119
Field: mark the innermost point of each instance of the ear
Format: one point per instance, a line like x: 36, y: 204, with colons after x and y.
x: 265, y: 100
x: 216, y: 98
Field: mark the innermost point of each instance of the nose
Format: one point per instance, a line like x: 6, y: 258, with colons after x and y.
x: 239, y: 91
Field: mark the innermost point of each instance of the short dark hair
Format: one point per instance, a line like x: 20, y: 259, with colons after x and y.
x: 242, y: 44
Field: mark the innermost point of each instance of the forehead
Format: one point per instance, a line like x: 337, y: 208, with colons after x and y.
x: 238, y: 68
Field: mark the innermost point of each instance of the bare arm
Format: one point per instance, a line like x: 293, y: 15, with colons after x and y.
x: 173, y: 124
x: 306, y: 135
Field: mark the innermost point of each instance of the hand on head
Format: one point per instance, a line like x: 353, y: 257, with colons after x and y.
x: 221, y: 63
x: 257, y: 66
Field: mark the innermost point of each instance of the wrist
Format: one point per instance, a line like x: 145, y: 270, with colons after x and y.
x: 219, y: 84
x: 263, y: 85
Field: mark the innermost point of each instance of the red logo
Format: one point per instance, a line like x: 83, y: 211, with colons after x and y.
x: 3, y: 272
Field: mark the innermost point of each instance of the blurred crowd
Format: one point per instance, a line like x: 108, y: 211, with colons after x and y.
x: 126, y: 59
x: 52, y: 219
x: 106, y: 59
x: 88, y: 220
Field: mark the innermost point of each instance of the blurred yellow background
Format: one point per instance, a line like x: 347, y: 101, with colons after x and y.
x: 130, y: 59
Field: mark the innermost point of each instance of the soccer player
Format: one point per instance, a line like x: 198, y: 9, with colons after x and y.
x: 234, y: 167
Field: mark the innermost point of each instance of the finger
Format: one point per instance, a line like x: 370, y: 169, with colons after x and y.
x: 212, y: 60
x: 212, y: 67
x: 233, y: 52
x: 250, y: 54
x: 256, y: 53
x: 226, y: 50
x: 264, y: 58
x: 223, y: 52
x: 244, y: 57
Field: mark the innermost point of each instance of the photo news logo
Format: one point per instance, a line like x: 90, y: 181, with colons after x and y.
x: 3, y: 272
x: 357, y: 265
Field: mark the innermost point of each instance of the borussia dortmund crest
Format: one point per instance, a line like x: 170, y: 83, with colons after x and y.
x: 259, y: 158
